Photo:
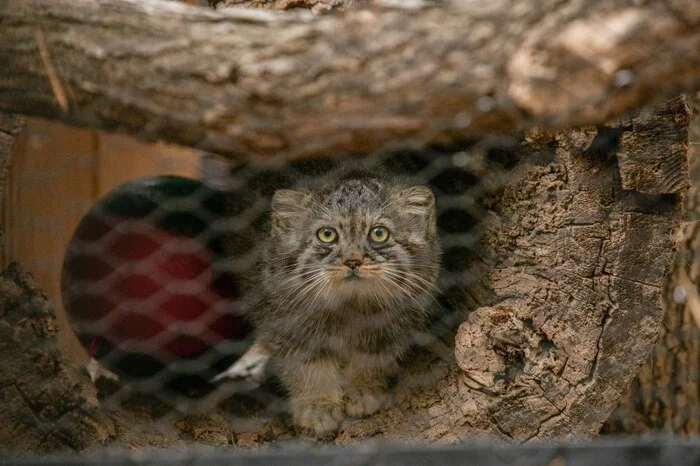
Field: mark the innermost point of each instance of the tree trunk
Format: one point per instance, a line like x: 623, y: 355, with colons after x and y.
x: 665, y: 397
x: 45, y: 405
x: 255, y: 83
x: 316, y: 6
x: 576, y: 262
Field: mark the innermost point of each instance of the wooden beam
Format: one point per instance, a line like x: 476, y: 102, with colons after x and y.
x: 249, y: 83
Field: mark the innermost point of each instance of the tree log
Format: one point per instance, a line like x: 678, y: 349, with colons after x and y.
x: 252, y: 83
x: 45, y: 405
x: 317, y: 6
x: 665, y: 396
x: 576, y: 263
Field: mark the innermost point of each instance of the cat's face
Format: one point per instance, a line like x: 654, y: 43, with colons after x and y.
x: 357, y: 242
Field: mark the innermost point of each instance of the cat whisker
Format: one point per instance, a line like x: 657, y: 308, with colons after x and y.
x: 413, y: 279
x: 311, y: 290
x: 292, y: 267
x: 419, y: 289
x: 324, y: 288
x: 410, y: 265
x: 403, y: 263
x: 430, y: 285
x: 335, y: 267
x: 302, y: 287
x: 299, y: 275
x: 389, y: 294
x: 302, y: 291
x: 371, y: 267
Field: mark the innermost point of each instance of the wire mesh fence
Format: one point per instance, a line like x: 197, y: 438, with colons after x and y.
x: 161, y: 273
x: 505, y: 288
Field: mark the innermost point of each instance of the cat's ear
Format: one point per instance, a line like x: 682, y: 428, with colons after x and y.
x: 417, y: 201
x: 288, y: 206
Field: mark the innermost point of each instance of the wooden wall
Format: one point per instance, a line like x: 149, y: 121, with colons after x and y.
x: 56, y: 173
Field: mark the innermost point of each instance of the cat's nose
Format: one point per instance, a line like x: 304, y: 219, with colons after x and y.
x: 353, y: 263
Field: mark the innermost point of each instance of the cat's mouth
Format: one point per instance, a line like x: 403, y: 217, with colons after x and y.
x: 362, y: 273
x: 348, y: 274
x: 365, y: 283
x: 353, y: 275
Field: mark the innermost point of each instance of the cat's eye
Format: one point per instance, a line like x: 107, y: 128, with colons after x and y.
x: 379, y: 234
x: 327, y: 235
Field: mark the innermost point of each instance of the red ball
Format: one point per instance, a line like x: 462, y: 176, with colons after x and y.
x: 138, y: 294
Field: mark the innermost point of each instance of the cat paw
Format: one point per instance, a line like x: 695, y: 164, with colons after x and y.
x: 361, y: 403
x: 96, y: 371
x: 250, y: 368
x: 321, y: 418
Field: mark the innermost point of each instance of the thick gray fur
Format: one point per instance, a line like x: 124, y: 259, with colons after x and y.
x: 335, y: 333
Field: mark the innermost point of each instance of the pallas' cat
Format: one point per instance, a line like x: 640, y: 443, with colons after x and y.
x: 347, y: 280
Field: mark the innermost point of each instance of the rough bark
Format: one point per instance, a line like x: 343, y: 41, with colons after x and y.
x: 576, y: 263
x: 255, y: 83
x: 665, y: 396
x: 317, y: 6
x: 45, y: 405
